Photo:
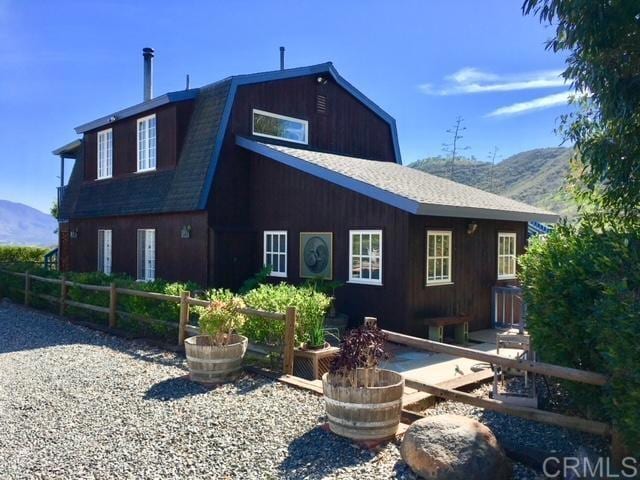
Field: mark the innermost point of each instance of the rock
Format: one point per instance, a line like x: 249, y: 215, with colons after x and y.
x: 452, y: 447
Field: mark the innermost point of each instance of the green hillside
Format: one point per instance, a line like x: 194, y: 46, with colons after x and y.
x: 536, y: 177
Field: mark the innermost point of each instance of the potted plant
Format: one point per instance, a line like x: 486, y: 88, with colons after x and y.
x: 215, y: 356
x: 363, y: 402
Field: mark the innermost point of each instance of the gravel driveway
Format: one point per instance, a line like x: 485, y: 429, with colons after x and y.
x: 75, y: 403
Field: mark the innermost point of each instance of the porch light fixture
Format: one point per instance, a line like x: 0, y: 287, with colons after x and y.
x: 322, y: 80
x: 185, y: 231
x: 471, y: 228
x: 73, y: 233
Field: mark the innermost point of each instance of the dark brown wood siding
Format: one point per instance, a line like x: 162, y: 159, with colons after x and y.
x: 347, y: 127
x: 171, y: 128
x: 285, y: 199
x: 177, y: 259
x: 474, y: 269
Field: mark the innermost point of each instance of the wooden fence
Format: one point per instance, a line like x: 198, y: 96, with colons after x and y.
x: 184, y: 300
x: 582, y: 376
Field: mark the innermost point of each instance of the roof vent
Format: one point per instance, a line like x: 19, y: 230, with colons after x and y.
x: 281, y: 58
x: 147, y: 53
x: 321, y: 103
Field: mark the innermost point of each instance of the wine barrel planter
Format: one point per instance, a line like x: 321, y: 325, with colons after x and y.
x: 211, y: 364
x: 364, y: 413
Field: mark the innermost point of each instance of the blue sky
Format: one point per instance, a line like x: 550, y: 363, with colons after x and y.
x: 64, y: 63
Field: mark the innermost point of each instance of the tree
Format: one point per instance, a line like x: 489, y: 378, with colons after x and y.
x: 55, y: 210
x: 602, y: 38
x: 453, y: 147
x: 492, y: 156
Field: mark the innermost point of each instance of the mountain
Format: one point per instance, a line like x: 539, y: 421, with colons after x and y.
x: 536, y: 177
x: 24, y: 225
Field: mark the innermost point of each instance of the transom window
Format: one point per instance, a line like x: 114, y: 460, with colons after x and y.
x: 438, y: 257
x: 105, y: 153
x: 365, y: 256
x: 275, y: 252
x: 272, y: 125
x: 146, y: 255
x: 147, y: 143
x: 104, y: 251
x: 506, y: 255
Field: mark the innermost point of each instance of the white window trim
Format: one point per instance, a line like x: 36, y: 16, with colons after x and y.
x: 286, y: 251
x: 155, y: 139
x: 282, y: 117
x: 109, y: 160
x: 449, y: 279
x: 146, y: 277
x: 509, y: 276
x: 102, y: 250
x: 364, y: 281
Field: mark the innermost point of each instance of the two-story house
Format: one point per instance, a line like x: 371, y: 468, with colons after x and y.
x: 295, y: 169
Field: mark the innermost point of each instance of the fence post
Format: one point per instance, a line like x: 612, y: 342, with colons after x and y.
x: 289, y: 339
x: 184, y: 316
x: 27, y: 287
x: 63, y: 293
x: 113, y: 303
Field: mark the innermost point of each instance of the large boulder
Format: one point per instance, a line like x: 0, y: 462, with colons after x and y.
x: 452, y: 447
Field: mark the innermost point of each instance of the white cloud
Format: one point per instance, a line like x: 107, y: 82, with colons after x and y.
x: 532, y: 105
x: 470, y: 80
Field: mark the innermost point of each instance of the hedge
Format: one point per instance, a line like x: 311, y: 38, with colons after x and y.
x: 17, y: 254
x: 311, y: 304
x: 582, y: 288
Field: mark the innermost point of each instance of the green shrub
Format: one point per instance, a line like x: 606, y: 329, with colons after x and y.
x: 222, y: 318
x: 16, y: 254
x: 311, y: 305
x: 582, y: 287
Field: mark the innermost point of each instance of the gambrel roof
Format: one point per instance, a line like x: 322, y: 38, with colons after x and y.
x: 187, y: 187
x: 403, y: 187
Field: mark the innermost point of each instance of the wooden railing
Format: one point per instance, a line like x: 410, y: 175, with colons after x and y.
x: 575, y: 375
x: 184, y: 300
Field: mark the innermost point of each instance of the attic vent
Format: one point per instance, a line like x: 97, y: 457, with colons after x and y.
x: 321, y: 103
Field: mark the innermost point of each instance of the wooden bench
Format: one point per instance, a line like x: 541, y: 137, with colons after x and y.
x: 436, y: 328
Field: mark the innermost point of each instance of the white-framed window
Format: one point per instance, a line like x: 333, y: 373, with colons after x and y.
x: 147, y: 143
x: 506, y: 255
x: 280, y: 127
x: 365, y: 256
x: 105, y: 153
x: 104, y: 251
x: 275, y: 252
x: 146, y: 255
x: 438, y: 257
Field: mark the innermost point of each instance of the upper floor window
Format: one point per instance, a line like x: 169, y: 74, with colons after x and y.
x: 365, y: 256
x: 275, y: 252
x: 147, y: 143
x: 105, y: 153
x: 506, y: 256
x: 438, y: 257
x: 272, y: 125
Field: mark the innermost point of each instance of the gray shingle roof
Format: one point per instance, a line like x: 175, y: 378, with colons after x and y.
x: 406, y: 188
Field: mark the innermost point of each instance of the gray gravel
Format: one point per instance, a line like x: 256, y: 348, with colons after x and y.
x: 75, y: 403
x: 524, y: 434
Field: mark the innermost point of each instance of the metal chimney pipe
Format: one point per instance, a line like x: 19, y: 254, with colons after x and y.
x: 281, y: 58
x: 147, y: 53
